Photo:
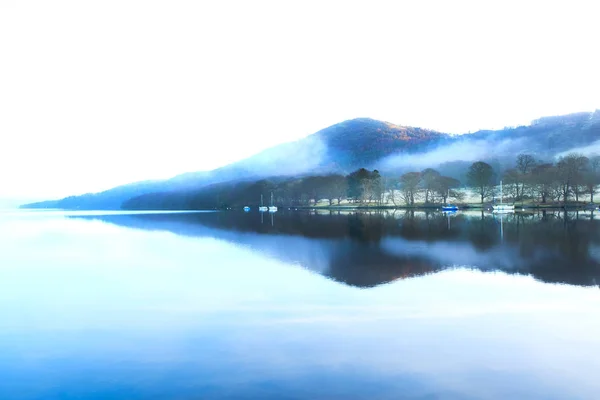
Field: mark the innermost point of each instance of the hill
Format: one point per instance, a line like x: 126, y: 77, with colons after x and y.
x: 339, y: 148
x: 363, y: 142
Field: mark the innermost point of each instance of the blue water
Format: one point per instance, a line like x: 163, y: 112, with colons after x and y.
x: 225, y: 306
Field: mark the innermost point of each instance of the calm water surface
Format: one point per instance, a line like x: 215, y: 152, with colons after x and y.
x: 298, y: 305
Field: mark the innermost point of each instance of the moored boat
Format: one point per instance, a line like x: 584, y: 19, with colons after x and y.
x: 262, y: 207
x: 450, y: 207
x: 503, y: 208
x: 272, y: 207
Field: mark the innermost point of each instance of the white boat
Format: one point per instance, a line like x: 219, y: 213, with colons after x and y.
x: 262, y: 207
x: 503, y: 208
x: 272, y: 208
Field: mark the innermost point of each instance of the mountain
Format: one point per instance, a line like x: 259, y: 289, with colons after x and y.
x: 549, y: 136
x: 363, y: 142
x: 339, y: 148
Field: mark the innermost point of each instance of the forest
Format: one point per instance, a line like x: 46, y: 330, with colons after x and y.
x: 572, y: 178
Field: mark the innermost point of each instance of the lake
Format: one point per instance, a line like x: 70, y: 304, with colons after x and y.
x: 299, y: 305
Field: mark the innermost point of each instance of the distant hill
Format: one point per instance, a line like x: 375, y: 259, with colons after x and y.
x: 369, y: 143
x: 341, y: 148
x: 362, y: 142
x: 549, y: 136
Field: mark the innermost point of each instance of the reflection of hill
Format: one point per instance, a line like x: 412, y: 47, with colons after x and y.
x: 370, y: 249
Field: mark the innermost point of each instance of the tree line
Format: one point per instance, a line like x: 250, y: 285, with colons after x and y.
x: 571, y: 177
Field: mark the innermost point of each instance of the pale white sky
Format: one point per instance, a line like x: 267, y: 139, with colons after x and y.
x: 99, y: 93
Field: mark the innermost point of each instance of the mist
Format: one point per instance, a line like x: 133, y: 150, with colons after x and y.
x: 12, y: 203
x: 293, y: 158
x: 590, y: 150
x: 462, y: 150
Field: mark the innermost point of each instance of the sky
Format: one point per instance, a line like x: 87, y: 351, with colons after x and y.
x: 97, y: 94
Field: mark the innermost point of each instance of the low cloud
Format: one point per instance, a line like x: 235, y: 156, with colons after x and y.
x: 293, y: 158
x: 592, y: 149
x: 464, y: 150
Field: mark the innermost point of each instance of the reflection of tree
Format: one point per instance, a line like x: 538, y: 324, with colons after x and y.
x: 551, y: 246
x: 365, y: 228
x: 482, y: 232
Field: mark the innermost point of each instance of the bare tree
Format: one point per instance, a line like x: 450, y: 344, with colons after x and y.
x: 525, y: 163
x: 516, y: 179
x: 481, y: 176
x: 409, y: 186
x: 339, y: 187
x: 544, y: 176
x: 570, y: 174
x: 391, y: 187
x: 444, y: 185
x: 513, y: 183
x: 429, y: 178
x: 591, y: 176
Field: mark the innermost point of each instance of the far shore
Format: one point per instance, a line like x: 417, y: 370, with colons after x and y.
x: 432, y: 206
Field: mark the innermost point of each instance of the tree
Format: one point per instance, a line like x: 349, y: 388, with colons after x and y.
x: 429, y: 178
x: 378, y: 186
x: 372, y: 187
x: 481, y: 176
x: 544, y: 178
x: 339, y: 187
x: 512, y: 182
x: 355, y: 184
x: 294, y: 191
x: 443, y: 186
x: 409, y: 186
x: 515, y: 179
x: 591, y: 176
x: 391, y: 186
x: 313, y: 188
x: 459, y: 196
x: 365, y: 185
x: 525, y: 163
x: 570, y: 174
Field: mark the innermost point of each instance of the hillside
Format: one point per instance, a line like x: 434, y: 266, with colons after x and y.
x: 549, y: 136
x: 364, y: 142
x: 339, y: 148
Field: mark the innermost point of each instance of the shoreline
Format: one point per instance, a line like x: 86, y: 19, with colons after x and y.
x: 432, y: 207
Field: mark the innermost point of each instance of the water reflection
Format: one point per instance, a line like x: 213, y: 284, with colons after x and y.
x: 201, y: 306
x: 366, y: 249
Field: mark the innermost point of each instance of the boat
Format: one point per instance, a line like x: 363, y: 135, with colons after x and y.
x: 246, y: 209
x: 262, y: 207
x: 450, y: 207
x: 272, y: 208
x: 503, y: 208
